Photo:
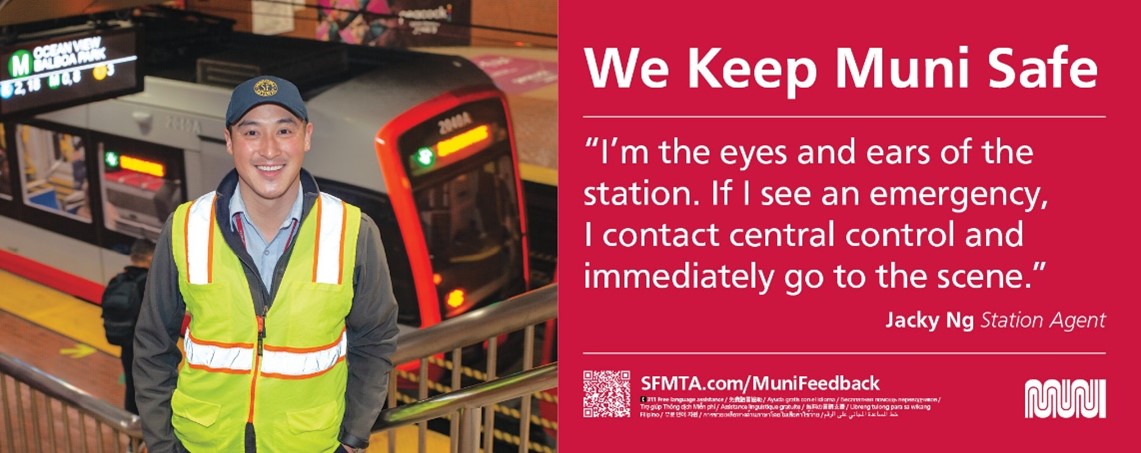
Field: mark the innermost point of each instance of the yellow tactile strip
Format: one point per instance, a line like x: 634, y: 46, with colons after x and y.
x: 53, y: 310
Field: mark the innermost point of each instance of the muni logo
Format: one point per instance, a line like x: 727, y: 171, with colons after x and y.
x: 20, y: 64
x: 1067, y: 398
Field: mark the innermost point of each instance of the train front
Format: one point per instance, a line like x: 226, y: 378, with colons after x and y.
x: 458, y: 201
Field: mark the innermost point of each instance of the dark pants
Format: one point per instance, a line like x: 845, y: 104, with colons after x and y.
x: 127, y: 357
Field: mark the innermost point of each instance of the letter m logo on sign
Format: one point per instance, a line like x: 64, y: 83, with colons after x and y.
x: 20, y: 64
x: 1066, y: 398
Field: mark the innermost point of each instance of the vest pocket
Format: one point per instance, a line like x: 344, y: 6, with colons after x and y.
x: 310, y: 430
x: 312, y: 419
x: 187, y: 408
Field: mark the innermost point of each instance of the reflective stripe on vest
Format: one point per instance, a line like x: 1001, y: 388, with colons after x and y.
x: 297, y: 363
x: 199, y: 234
x: 234, y: 358
x: 277, y: 361
x: 327, y: 256
x: 330, y: 240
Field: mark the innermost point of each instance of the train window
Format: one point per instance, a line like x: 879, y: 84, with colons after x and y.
x: 378, y: 207
x: 53, y: 171
x: 142, y: 183
x: 472, y: 229
x: 469, y: 214
x: 5, y: 167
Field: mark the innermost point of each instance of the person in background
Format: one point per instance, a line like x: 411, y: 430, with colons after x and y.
x: 120, y: 306
x: 292, y: 316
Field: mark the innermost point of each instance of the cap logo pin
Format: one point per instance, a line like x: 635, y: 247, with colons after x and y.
x: 265, y: 88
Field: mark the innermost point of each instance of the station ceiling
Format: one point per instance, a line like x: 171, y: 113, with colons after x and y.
x: 14, y: 12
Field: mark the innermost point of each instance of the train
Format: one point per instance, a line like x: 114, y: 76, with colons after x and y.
x: 423, y: 143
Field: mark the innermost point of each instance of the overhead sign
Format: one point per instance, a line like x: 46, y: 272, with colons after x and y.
x: 59, y: 72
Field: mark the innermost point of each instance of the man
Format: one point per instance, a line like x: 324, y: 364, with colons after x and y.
x: 120, y: 306
x: 293, y: 320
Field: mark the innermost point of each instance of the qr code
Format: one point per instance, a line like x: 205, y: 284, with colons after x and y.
x: 606, y: 393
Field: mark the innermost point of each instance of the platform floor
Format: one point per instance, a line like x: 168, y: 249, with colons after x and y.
x: 59, y: 334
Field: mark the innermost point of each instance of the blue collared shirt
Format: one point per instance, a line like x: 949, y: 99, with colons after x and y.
x: 265, y: 255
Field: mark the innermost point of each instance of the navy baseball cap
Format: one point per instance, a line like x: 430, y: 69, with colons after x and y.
x: 264, y: 89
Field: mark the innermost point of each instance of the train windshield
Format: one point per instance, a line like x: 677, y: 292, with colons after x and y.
x: 464, y: 186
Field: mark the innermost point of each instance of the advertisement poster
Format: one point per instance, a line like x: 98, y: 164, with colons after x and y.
x: 875, y: 227
x: 394, y: 23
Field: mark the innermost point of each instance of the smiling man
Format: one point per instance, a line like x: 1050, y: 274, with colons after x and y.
x: 293, y: 320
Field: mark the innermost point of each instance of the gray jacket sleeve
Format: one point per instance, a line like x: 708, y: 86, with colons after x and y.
x: 156, y: 348
x: 372, y: 330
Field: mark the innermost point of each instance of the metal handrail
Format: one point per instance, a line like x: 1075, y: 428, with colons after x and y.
x: 103, y: 411
x: 515, y: 313
x: 505, y: 388
x: 512, y: 314
x: 474, y: 406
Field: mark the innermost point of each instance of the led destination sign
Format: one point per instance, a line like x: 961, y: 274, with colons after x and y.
x: 452, y: 136
x: 67, y: 70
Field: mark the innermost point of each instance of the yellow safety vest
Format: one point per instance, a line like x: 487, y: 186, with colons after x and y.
x: 293, y: 389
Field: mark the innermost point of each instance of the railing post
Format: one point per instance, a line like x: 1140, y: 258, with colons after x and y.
x: 7, y: 414
x: 489, y: 411
x: 525, y: 423
x: 422, y: 393
x: 469, y: 429
x: 457, y: 370
x: 392, y: 389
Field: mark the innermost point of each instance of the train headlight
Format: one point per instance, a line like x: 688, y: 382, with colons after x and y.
x: 455, y: 298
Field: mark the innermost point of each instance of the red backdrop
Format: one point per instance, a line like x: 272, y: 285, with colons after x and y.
x: 1084, y: 160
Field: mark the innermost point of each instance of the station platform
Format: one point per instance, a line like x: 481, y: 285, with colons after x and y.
x: 59, y: 334
x: 63, y: 336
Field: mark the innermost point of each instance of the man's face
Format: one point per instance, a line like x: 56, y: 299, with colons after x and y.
x: 268, y: 145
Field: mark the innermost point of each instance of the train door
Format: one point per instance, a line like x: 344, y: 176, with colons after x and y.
x: 151, y: 160
x: 78, y: 198
x: 47, y: 222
